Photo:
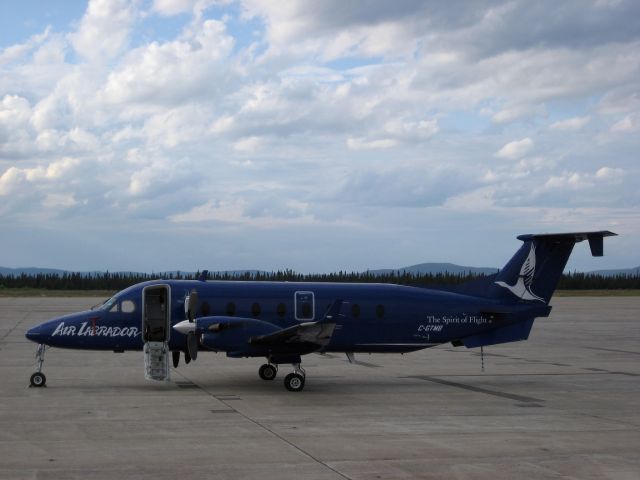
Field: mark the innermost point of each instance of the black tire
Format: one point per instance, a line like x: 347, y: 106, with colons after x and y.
x: 267, y: 372
x: 38, y: 380
x: 294, y: 382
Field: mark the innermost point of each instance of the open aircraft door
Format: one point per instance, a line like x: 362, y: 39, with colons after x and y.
x: 156, y: 328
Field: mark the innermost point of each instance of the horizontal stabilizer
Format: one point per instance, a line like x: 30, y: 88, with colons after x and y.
x: 595, y: 239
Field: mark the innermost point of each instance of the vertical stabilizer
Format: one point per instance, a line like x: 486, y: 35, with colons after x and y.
x: 533, y: 272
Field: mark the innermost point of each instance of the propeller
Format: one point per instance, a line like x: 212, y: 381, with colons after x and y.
x: 191, y: 305
x: 191, y: 309
x: 192, y: 346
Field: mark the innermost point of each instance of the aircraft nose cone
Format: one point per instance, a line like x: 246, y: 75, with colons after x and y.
x: 34, y: 334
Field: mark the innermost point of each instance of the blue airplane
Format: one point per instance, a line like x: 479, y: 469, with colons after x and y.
x: 282, y: 321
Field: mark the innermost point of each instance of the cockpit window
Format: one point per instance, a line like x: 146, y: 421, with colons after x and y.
x: 114, y: 305
x: 109, y: 304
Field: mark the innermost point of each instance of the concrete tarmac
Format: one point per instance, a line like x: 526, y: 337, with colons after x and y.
x: 565, y: 404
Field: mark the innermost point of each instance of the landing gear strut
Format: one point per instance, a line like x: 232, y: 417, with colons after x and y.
x: 38, y: 379
x: 294, y: 382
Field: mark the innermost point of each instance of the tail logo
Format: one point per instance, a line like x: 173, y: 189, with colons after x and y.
x: 522, y: 287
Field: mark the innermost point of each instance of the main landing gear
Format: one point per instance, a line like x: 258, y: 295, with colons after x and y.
x: 294, y: 382
x: 268, y: 371
x: 38, y: 379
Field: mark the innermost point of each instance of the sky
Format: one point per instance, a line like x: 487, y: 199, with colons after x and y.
x: 318, y: 136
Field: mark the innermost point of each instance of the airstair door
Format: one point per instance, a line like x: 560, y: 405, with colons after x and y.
x: 156, y: 328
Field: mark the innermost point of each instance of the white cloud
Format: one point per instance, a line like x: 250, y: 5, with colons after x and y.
x: 630, y: 123
x: 14, y: 177
x: 362, y: 144
x: 175, y: 71
x: 571, y: 124
x: 378, y: 117
x: 175, y: 7
x: 15, y: 113
x: 235, y: 213
x: 516, y: 149
x: 249, y: 144
x: 54, y: 200
x: 516, y: 112
x: 104, y: 29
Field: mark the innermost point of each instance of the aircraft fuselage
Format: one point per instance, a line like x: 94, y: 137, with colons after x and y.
x: 373, y: 317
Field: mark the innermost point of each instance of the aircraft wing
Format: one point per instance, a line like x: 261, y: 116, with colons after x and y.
x: 309, y: 332
x: 317, y: 333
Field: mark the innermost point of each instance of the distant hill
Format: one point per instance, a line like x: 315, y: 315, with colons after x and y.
x: 55, y: 271
x: 30, y: 271
x: 621, y: 271
x: 435, y: 268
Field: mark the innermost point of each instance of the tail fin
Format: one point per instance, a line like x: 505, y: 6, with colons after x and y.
x: 533, y: 272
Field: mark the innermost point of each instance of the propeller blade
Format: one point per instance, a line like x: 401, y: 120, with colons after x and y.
x: 176, y: 358
x: 187, y: 357
x: 193, y: 304
x: 192, y: 346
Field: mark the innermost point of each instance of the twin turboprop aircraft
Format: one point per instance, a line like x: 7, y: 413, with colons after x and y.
x: 282, y: 321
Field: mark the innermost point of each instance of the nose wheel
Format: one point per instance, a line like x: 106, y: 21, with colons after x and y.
x: 38, y: 379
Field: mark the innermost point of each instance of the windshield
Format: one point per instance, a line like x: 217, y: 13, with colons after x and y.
x: 108, y: 304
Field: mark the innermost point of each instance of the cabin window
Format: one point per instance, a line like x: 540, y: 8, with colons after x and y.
x: 355, y: 310
x: 205, y: 309
x: 255, y: 309
x: 127, y: 306
x: 305, y: 305
x: 281, y: 309
x: 380, y: 311
x: 231, y: 309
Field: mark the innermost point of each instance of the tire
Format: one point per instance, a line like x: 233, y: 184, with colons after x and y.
x: 267, y: 372
x: 294, y: 382
x: 38, y: 380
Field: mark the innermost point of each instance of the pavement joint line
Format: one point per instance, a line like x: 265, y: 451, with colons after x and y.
x: 264, y: 427
x: 613, y: 350
x: 367, y: 364
x: 488, y: 375
x: 10, y: 331
x: 510, y: 396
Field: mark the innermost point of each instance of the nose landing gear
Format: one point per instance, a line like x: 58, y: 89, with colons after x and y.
x: 38, y: 379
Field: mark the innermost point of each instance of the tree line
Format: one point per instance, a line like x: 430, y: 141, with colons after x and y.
x: 120, y: 280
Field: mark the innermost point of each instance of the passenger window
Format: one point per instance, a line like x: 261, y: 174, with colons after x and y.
x: 281, y: 310
x: 127, y: 306
x: 231, y: 309
x: 380, y: 311
x: 255, y: 309
x: 355, y: 310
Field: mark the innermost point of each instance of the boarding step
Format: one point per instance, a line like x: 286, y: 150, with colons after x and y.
x: 156, y: 361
